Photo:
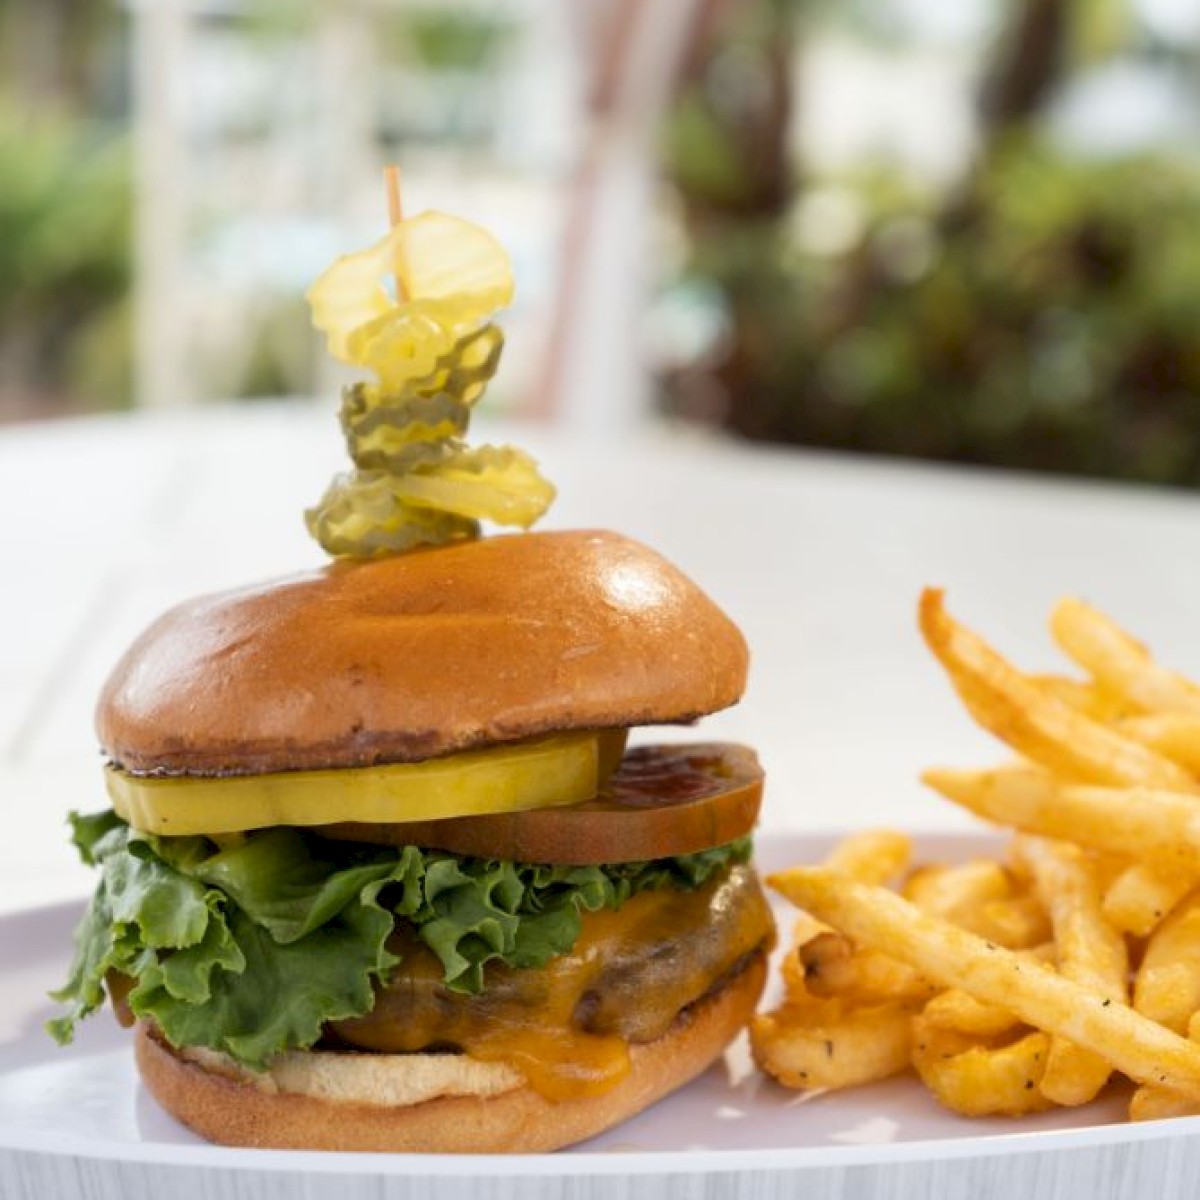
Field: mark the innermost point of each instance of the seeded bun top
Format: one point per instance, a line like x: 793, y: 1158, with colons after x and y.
x: 422, y: 654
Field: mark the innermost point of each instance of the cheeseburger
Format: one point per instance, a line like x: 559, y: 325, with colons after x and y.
x: 379, y: 873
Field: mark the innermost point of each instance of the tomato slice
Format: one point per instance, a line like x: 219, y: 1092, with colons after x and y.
x: 662, y: 801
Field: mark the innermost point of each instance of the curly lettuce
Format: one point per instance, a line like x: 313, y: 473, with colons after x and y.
x: 252, y: 947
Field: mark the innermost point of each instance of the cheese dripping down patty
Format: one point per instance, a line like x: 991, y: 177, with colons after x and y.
x: 567, y: 1026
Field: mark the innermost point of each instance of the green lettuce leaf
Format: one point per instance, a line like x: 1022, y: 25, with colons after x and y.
x: 252, y: 948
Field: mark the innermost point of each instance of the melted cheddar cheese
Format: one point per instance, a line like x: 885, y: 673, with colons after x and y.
x: 567, y: 1027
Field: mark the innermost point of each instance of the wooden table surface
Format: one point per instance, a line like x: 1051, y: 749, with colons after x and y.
x: 108, y: 521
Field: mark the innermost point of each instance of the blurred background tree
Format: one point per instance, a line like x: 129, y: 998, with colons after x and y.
x: 65, y: 209
x: 1037, y: 309
x: 964, y: 231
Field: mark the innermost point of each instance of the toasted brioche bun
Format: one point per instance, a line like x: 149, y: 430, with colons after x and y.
x: 476, y: 1112
x: 417, y: 655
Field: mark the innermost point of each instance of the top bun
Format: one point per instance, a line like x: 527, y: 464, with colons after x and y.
x: 421, y: 654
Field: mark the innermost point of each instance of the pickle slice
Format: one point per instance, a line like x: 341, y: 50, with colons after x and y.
x: 383, y: 434
x: 490, y: 483
x: 369, y: 513
x: 454, y: 276
x: 564, y: 769
x: 360, y: 516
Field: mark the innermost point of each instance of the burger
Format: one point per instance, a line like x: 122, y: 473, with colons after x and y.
x: 380, y: 872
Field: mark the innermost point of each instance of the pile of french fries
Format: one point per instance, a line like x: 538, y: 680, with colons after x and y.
x: 1011, y: 987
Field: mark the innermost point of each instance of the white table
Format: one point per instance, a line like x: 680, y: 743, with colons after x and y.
x: 819, y: 558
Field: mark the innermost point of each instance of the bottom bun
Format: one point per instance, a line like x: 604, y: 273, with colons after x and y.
x: 230, y: 1110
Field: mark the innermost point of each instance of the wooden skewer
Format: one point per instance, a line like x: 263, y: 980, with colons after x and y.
x: 391, y: 182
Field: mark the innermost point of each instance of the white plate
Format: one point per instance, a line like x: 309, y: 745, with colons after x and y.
x: 77, y: 1122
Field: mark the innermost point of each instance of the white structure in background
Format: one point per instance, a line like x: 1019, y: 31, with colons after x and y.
x: 258, y: 160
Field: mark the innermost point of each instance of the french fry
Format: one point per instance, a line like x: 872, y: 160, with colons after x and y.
x: 834, y: 967
x: 1175, y: 735
x: 805, y: 928
x: 795, y: 978
x: 1107, y: 867
x: 1090, y: 952
x: 1142, y: 895
x: 874, y: 856
x: 1118, y: 661
x: 824, y: 1044
x: 955, y: 972
x: 956, y: 1012
x: 1160, y: 826
x: 1153, y: 1103
x: 979, y: 1081
x: 824, y: 963
x: 1017, y: 923
x: 1034, y: 723
x: 1167, y: 986
x: 955, y: 892
x: 980, y: 896
x: 1041, y: 997
x: 1083, y: 696
x: 793, y: 970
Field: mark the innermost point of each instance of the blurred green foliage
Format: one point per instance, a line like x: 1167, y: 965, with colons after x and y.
x: 1052, y: 327
x: 1042, y: 313
x: 65, y: 221
x: 447, y: 38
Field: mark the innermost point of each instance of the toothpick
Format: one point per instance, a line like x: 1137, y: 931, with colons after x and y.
x: 391, y: 182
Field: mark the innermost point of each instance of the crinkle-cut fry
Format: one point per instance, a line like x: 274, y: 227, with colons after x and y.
x: 876, y: 917
x: 1084, y: 696
x: 1118, y: 661
x: 1167, y: 986
x: 873, y: 856
x: 1034, y: 723
x: 1090, y: 952
x: 833, y: 966
x: 1174, y: 735
x: 1153, y: 824
x: 979, y: 1081
x: 1143, y: 894
x: 825, y: 1044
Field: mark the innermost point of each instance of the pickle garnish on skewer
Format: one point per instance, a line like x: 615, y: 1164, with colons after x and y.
x: 361, y: 517
x: 488, y: 483
x: 382, y: 435
x: 434, y: 349
x: 454, y: 277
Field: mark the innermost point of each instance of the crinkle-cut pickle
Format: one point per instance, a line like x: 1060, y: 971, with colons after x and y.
x: 563, y: 769
x: 454, y: 275
x: 367, y: 513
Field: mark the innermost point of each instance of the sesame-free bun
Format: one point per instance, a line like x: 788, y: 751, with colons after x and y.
x: 477, y: 1109
x: 422, y: 654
